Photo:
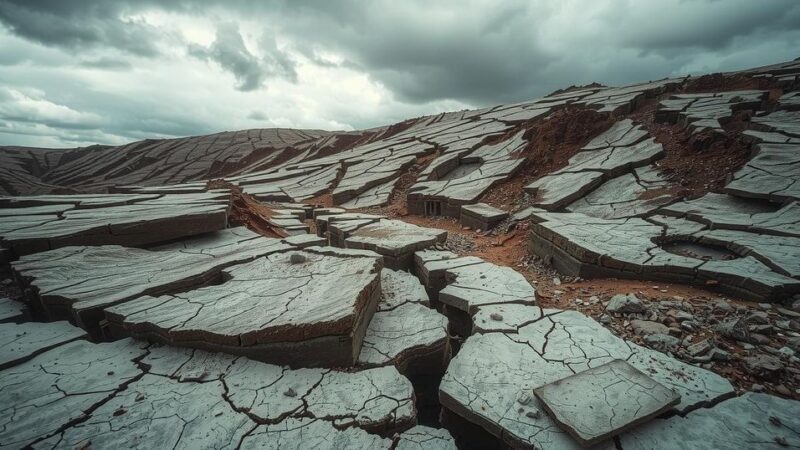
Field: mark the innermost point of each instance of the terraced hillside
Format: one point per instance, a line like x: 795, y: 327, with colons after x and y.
x: 472, y: 279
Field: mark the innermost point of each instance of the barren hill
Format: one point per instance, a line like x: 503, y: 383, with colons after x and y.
x: 478, y: 279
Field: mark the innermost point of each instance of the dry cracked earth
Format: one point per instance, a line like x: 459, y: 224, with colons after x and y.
x: 604, y: 267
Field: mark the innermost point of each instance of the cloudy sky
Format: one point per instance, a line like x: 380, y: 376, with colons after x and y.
x: 81, y: 72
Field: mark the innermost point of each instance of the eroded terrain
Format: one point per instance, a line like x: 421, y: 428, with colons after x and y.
x: 471, y: 279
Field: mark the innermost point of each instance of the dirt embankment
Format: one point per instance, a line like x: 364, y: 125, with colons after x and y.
x: 248, y: 211
x: 551, y: 143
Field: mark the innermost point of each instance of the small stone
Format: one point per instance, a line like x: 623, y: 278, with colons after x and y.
x: 139, y: 397
x: 765, y: 306
x: 759, y: 339
x: 110, y: 373
x: 605, y: 319
x: 533, y: 414
x: 496, y: 316
x: 625, y: 304
x: 297, y: 258
x: 783, y: 390
x: 699, y: 348
x: 780, y: 440
x: 662, y: 342
x: 786, y: 352
x: 557, y: 281
x: 646, y: 327
x: 758, y: 317
x: 717, y: 354
x: 757, y: 387
x: 723, y: 306
x: 119, y: 411
x: 524, y: 398
x: 763, y: 365
x: 290, y: 393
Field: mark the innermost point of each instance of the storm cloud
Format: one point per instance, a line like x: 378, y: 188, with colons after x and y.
x: 112, y: 71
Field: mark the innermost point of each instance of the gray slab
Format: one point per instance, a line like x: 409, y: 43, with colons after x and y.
x: 271, y: 309
x: 426, y: 438
x: 481, y: 284
x: 601, y: 402
x: 11, y: 310
x: 58, y: 387
x: 21, y: 342
x: 751, y: 420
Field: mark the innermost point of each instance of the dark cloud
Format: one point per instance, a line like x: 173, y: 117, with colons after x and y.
x: 80, y: 24
x: 409, y: 58
x: 229, y: 51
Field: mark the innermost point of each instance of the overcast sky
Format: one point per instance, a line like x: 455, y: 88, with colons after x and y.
x: 80, y: 72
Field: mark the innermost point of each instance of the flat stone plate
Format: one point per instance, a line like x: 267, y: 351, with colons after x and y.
x: 604, y: 401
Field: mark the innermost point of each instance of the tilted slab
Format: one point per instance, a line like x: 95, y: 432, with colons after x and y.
x: 375, y: 196
x: 474, y: 285
x: 603, y: 401
x: 79, y: 282
x: 405, y: 331
x: 628, y: 195
x: 559, y: 189
x: 752, y: 420
x: 395, y: 240
x: 490, y: 382
x: 78, y: 200
x: 146, y: 222
x: 729, y: 212
x: 431, y: 267
x: 412, y: 337
x: 770, y: 175
x: 310, y: 313
x: 780, y: 253
x: 786, y: 123
x: 21, y: 342
x: 60, y: 386
x: 579, y: 245
x: 622, y: 134
x: 614, y: 161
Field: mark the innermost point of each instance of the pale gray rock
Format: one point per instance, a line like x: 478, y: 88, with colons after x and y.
x: 145, y: 222
x: 426, y: 438
x: 377, y: 400
x: 58, y: 387
x: 400, y: 288
x: 305, y: 433
x: 474, y: 285
x: 157, y: 412
x: 269, y: 310
x: 559, y: 189
x: 757, y: 420
x: 625, y: 304
x: 481, y: 216
x: 395, y: 240
x: 603, y: 401
x: 79, y: 282
x: 11, y: 310
x: 771, y: 174
x: 21, y: 342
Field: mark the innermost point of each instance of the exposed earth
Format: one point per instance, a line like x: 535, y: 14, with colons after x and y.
x: 604, y: 267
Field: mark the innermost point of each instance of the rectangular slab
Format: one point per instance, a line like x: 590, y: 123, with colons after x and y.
x: 599, y: 403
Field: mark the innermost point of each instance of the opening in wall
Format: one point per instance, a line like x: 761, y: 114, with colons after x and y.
x: 433, y: 208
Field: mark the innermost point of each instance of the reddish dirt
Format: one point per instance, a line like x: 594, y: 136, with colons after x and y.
x: 248, y: 211
x: 698, y: 163
x: 551, y: 143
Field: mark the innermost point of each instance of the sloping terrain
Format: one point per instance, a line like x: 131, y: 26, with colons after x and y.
x: 428, y: 284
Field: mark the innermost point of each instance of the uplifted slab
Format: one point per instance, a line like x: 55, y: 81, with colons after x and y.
x: 11, y: 310
x: 300, y: 308
x: 395, y: 240
x: 601, y: 402
x: 426, y: 438
x: 481, y: 216
x: 146, y: 222
x: 405, y: 331
x: 78, y: 282
x: 21, y: 342
x: 770, y: 175
x: 752, y: 420
x: 580, y: 245
x: 474, y: 285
